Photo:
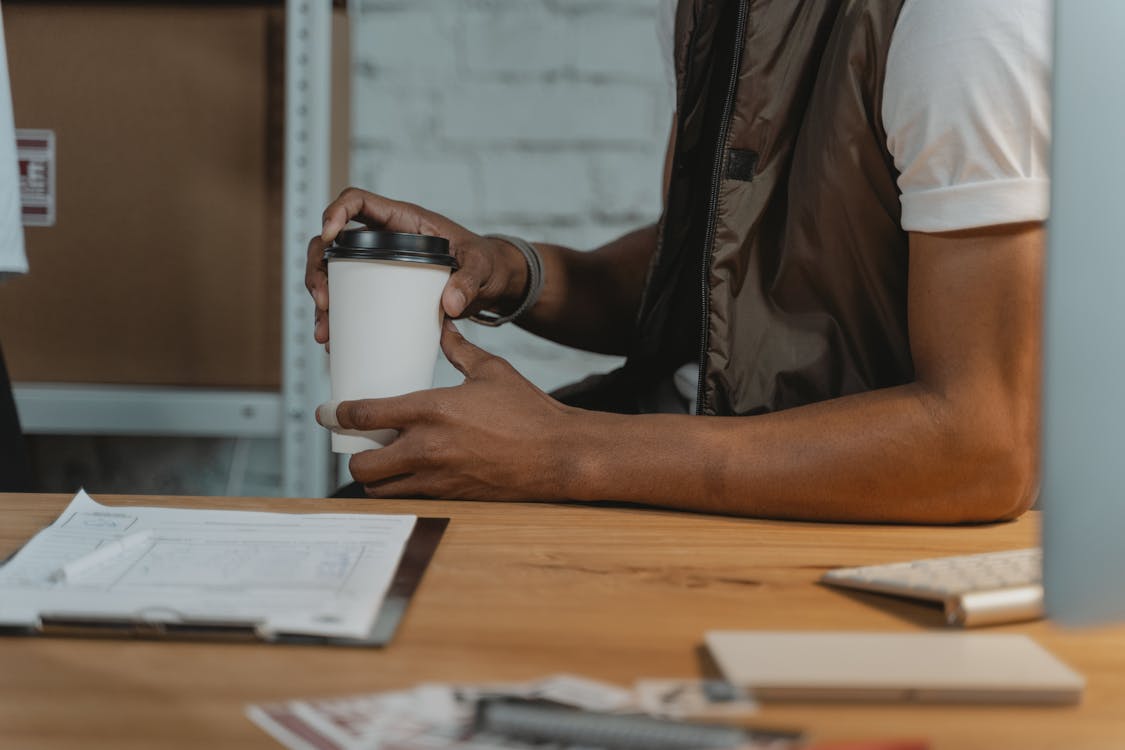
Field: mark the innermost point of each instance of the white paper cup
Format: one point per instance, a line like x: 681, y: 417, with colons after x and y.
x: 384, y: 293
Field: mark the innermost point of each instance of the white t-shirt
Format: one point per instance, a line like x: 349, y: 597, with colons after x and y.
x: 12, y: 257
x: 966, y: 107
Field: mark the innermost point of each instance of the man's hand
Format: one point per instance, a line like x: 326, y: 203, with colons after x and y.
x: 487, y: 439
x: 491, y: 275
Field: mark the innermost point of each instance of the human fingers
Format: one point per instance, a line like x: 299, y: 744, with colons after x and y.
x: 320, y: 326
x: 467, y: 357
x: 405, y: 486
x: 418, y: 463
x: 465, y: 284
x: 392, y: 215
x: 490, y: 270
x: 395, y: 412
x: 316, y: 273
x: 382, y: 464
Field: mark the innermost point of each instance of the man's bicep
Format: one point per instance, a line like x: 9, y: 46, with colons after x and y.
x: 974, y: 317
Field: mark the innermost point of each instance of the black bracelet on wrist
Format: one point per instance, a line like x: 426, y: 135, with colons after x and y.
x: 534, y: 283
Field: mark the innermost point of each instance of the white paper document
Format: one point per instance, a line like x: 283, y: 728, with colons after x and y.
x: 430, y: 716
x: 281, y: 573
x: 439, y: 716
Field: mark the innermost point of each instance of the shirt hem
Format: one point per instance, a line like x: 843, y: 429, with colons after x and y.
x: 977, y: 204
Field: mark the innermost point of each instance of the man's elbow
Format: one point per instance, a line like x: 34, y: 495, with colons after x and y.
x: 1003, y: 481
x: 1015, y: 489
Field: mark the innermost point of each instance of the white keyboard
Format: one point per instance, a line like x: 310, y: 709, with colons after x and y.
x: 983, y: 589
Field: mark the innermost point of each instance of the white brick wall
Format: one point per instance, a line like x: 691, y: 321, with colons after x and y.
x: 546, y: 113
x: 542, y: 118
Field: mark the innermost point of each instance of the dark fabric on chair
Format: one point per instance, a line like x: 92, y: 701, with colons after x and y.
x: 15, y: 466
x: 355, y: 489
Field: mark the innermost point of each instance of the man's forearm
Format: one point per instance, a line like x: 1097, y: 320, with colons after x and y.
x: 590, y: 299
x: 897, y: 455
x: 960, y: 443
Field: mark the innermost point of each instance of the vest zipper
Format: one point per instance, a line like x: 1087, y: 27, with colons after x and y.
x: 716, y: 182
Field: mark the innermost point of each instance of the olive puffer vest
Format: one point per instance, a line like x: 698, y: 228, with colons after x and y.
x: 781, y: 265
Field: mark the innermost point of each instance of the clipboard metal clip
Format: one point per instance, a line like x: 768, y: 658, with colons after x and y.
x: 63, y: 624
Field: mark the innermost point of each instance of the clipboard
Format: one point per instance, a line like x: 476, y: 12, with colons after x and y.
x: 418, y: 551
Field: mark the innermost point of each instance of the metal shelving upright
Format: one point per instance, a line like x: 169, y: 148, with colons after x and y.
x: 307, y: 469
x: 305, y: 458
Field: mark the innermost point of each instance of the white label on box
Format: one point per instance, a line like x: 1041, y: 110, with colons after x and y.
x: 35, y: 150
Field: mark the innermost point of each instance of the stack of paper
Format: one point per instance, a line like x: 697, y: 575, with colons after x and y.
x: 432, y: 715
x: 275, y: 573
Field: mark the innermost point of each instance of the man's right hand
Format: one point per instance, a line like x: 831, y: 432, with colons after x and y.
x: 492, y: 274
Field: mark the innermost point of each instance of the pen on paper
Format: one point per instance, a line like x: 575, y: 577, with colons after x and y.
x: 523, y: 720
x: 108, y: 551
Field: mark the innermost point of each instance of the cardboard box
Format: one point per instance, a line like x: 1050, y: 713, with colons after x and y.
x: 163, y: 265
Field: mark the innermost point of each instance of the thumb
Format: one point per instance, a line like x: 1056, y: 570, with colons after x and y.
x: 461, y: 353
x: 394, y: 412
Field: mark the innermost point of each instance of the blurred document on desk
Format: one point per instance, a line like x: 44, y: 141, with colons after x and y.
x: 441, y: 716
x: 280, y: 573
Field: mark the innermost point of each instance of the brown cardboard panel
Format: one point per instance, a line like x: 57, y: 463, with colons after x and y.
x: 164, y: 264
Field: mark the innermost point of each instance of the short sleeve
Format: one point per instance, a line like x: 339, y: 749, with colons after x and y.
x: 966, y: 108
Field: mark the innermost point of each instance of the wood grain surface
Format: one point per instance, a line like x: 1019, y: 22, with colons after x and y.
x: 518, y: 591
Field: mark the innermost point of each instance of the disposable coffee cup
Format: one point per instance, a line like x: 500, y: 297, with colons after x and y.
x: 385, y: 297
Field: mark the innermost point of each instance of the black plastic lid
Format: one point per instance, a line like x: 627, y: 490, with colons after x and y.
x: 374, y: 244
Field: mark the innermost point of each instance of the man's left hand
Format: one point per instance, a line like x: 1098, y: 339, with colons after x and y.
x: 494, y: 437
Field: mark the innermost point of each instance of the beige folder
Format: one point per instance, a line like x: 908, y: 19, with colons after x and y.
x: 922, y: 667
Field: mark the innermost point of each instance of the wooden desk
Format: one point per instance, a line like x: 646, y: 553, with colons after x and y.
x: 520, y: 591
